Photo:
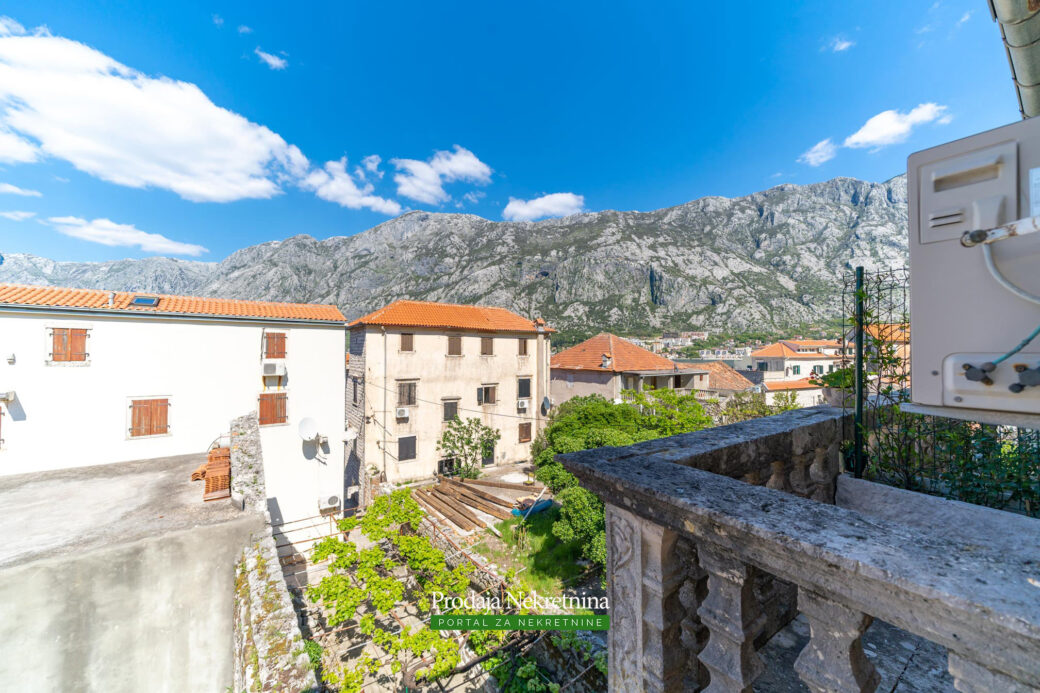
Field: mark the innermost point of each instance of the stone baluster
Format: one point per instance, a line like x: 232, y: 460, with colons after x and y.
x: 733, y: 617
x: 971, y: 677
x: 645, y: 648
x: 834, y: 661
x: 693, y: 633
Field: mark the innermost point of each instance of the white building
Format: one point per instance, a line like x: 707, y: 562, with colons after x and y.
x: 791, y: 359
x: 95, y: 377
x: 416, y: 365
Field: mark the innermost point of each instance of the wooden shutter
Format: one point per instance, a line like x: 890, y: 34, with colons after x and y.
x: 149, y: 417
x: 406, y: 448
x: 160, y: 417
x: 275, y: 345
x: 140, y: 411
x: 60, y: 344
x: 454, y: 345
x: 525, y: 432
x: 523, y: 347
x: 487, y: 346
x: 77, y: 345
x: 407, y: 342
x: 274, y: 408
x: 492, y: 395
x: 523, y: 388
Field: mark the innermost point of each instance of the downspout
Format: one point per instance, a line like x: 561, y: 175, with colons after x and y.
x: 382, y: 328
x: 543, y: 377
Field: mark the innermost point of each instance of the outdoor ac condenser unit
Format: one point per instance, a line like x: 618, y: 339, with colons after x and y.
x: 523, y: 404
x: 274, y: 368
x: 402, y: 412
x: 975, y: 276
x: 328, y: 504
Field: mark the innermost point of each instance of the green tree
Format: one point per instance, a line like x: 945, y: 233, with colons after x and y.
x: 467, y: 442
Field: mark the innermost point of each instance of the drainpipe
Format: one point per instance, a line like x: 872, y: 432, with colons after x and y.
x: 543, y: 376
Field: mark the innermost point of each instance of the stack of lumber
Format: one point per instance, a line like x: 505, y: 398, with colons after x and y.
x: 216, y: 472
x: 457, y: 502
x: 492, y: 483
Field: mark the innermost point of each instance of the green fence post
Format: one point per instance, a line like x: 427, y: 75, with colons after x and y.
x: 859, y: 454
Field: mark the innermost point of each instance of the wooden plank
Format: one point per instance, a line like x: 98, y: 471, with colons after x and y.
x: 446, y: 510
x: 504, y: 484
x: 464, y: 496
x: 490, y: 497
x: 421, y: 499
x: 456, y: 506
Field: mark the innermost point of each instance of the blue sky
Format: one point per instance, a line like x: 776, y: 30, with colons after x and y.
x: 190, y: 129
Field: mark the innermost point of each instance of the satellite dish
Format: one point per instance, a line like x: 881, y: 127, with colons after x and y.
x: 546, y: 404
x: 308, y: 428
x: 349, y: 435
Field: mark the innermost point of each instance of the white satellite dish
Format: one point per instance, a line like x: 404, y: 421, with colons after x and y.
x: 308, y: 428
x: 349, y: 435
x: 546, y: 404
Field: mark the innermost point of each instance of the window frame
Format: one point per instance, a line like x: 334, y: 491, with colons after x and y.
x: 444, y: 408
x: 796, y: 369
x: 134, y: 401
x: 482, y: 392
x: 523, y: 349
x: 275, y: 395
x: 487, y: 346
x: 415, y: 448
x: 414, y: 385
x: 520, y: 432
x: 283, y: 337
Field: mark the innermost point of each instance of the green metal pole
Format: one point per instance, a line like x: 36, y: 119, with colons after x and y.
x: 859, y: 456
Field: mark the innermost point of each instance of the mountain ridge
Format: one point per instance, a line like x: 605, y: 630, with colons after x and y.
x: 773, y: 258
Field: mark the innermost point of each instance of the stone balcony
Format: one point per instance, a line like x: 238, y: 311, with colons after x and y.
x: 716, y: 540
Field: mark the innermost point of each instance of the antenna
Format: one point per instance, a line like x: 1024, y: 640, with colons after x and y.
x: 308, y: 429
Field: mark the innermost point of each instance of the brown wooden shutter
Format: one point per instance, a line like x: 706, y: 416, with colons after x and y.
x: 487, y: 346
x: 77, y: 345
x: 275, y: 345
x: 523, y: 347
x: 60, y: 344
x: 273, y: 408
x: 139, y: 416
x: 281, y: 402
x: 407, y: 342
x: 525, y: 432
x: 160, y: 417
x: 454, y: 345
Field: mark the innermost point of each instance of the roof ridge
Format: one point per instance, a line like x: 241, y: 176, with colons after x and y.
x: 118, y: 292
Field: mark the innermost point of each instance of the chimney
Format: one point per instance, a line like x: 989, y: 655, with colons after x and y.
x: 111, y: 298
x: 608, y: 360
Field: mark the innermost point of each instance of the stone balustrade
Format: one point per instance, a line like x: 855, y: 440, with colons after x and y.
x: 702, y: 565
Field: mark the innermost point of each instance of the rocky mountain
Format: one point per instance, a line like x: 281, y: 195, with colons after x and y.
x: 773, y: 258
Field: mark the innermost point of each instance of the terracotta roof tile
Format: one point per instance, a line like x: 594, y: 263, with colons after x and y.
x: 781, y: 385
x: 97, y: 299
x: 452, y: 316
x: 724, y: 377
x: 781, y: 350
x: 625, y: 356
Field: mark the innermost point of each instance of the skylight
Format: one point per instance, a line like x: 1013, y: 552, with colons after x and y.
x: 144, y: 301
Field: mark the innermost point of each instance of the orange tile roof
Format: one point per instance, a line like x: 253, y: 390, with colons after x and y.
x: 780, y: 385
x: 452, y: 316
x: 723, y: 377
x: 889, y: 331
x: 98, y: 299
x: 625, y: 356
x: 781, y: 350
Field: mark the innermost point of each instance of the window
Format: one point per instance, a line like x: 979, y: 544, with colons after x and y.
x: 817, y: 370
x: 454, y: 345
x: 68, y: 344
x: 487, y: 394
x: 451, y: 409
x: 763, y: 365
x: 149, y: 417
x: 354, y: 382
x: 487, y: 346
x: 273, y: 408
x: 523, y: 388
x: 525, y: 432
x: 523, y: 347
x: 676, y: 382
x: 488, y: 456
x: 274, y: 345
x: 145, y: 301
x: 406, y: 448
x: 796, y: 370
x: 406, y: 394
x: 407, y: 341
x: 446, y: 467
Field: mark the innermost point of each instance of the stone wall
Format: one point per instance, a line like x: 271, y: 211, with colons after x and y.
x: 356, y: 472
x: 247, y: 465
x: 268, y: 645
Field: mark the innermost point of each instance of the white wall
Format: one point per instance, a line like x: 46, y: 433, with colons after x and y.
x: 77, y: 414
x: 803, y: 398
x: 569, y: 383
x: 440, y: 376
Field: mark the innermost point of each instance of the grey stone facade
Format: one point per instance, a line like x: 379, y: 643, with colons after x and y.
x: 355, y: 473
x: 247, y: 464
x: 687, y: 549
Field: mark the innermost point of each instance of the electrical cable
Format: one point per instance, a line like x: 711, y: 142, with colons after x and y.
x: 991, y: 265
x: 1021, y: 345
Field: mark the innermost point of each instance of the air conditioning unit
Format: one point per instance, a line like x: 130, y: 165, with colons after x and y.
x: 523, y: 404
x: 328, y: 504
x: 274, y: 368
x: 403, y: 413
x: 7, y: 396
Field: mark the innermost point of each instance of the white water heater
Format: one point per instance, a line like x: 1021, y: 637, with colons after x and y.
x: 974, y: 207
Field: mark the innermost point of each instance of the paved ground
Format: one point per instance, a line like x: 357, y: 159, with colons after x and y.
x: 55, y: 512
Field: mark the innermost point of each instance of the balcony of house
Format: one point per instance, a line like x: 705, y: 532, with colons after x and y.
x: 684, y: 382
x: 717, y: 540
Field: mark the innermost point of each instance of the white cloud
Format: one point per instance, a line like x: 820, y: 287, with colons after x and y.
x: 272, y: 61
x: 423, y: 181
x: 63, y: 99
x: 820, y: 153
x: 243, y: 29
x: 839, y: 44
x: 9, y: 27
x: 17, y: 216
x: 964, y: 18
x: 218, y: 20
x: 107, y: 232
x: 892, y: 127
x: 553, y: 205
x: 371, y: 164
x: 474, y: 196
x: 8, y: 189
x: 335, y: 185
